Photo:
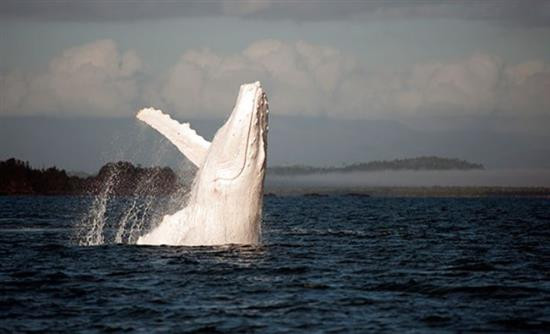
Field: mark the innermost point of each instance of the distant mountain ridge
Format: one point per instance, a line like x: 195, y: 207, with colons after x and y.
x: 418, y: 163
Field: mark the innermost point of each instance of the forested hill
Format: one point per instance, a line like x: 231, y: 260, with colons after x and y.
x: 122, y: 178
x: 419, y: 163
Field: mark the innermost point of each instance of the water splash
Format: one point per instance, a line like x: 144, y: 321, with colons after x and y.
x: 122, y: 219
x: 136, y: 212
x: 111, y: 218
x: 92, y: 225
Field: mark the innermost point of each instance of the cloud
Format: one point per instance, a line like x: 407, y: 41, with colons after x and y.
x: 469, y: 85
x: 527, y: 87
x: 301, y: 78
x: 94, y: 79
x: 308, y: 79
x: 523, y: 12
x: 244, y: 7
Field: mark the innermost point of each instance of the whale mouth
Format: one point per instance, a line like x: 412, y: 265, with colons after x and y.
x: 234, y: 166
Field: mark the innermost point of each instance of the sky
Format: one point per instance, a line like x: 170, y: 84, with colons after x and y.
x: 347, y: 81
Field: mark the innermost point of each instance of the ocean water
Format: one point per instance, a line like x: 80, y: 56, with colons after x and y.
x: 326, y: 264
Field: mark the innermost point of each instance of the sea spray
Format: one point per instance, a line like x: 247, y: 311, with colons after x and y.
x: 145, y: 211
x: 139, y: 224
x: 173, y: 227
x: 92, y: 225
x: 116, y: 216
x: 129, y: 215
x: 136, y: 211
x: 113, y: 217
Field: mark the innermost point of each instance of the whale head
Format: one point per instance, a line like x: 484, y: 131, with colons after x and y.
x: 238, y: 151
x: 227, y: 194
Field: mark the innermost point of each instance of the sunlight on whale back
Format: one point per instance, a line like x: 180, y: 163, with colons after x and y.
x: 225, y: 202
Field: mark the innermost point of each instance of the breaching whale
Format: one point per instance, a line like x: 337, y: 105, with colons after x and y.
x: 225, y: 202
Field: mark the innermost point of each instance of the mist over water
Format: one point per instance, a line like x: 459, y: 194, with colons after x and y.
x: 471, y: 178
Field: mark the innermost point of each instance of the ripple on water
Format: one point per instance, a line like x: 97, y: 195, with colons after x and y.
x: 326, y: 264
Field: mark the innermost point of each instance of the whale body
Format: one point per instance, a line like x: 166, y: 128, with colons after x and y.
x: 225, y: 202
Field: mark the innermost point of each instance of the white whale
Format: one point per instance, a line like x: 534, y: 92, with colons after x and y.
x: 225, y: 202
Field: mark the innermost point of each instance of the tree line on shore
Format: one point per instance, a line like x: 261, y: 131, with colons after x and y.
x: 123, y: 178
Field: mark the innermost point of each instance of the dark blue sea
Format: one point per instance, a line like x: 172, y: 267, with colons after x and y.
x: 335, y: 264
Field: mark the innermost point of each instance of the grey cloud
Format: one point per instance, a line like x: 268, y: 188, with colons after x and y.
x: 92, y: 79
x: 84, y: 10
x: 524, y: 12
x: 309, y: 79
x: 301, y: 78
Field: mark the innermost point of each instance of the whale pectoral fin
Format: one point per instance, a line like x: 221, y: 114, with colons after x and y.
x: 192, y: 145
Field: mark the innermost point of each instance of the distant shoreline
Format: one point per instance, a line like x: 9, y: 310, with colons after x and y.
x: 125, y: 179
x: 421, y: 191
x: 365, y: 192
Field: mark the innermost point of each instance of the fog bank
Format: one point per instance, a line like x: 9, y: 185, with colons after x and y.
x: 473, y: 178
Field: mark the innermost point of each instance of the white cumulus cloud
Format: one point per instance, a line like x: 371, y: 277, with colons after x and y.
x: 300, y: 78
x: 309, y: 79
x: 93, y: 79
